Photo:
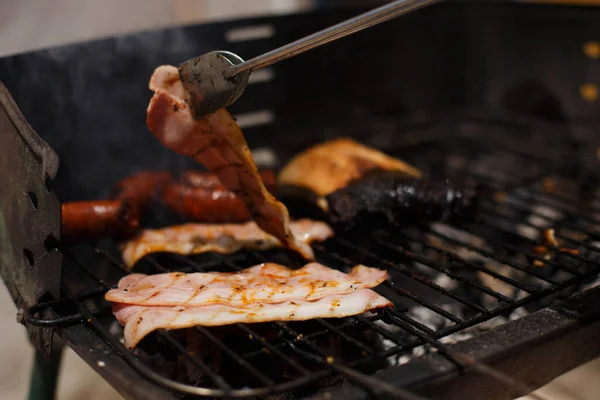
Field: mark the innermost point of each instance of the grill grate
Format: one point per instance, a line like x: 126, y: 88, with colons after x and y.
x: 445, y: 281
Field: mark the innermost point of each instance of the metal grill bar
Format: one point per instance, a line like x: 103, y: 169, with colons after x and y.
x: 372, y: 385
x: 425, y: 281
x: 399, y: 319
x: 398, y: 322
x: 419, y: 255
x: 463, y: 361
x: 529, y: 240
x: 239, y: 360
x: 564, y: 222
x: 424, y: 261
x: 489, y: 254
x: 216, y: 379
x: 500, y: 215
x: 514, y: 249
x: 403, y: 292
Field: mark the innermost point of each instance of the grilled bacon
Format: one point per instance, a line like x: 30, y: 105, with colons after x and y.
x: 267, y: 292
x: 223, y: 238
x: 217, y: 142
x: 268, y: 282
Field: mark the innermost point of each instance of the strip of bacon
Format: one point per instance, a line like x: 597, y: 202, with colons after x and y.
x: 221, y: 238
x: 139, y: 321
x: 217, y: 142
x: 271, y: 283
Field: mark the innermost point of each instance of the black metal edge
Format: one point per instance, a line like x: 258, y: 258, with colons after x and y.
x: 40, y: 148
x: 534, y: 350
x: 29, y: 266
x: 108, y: 363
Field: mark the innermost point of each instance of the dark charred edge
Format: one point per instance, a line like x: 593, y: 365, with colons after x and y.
x: 390, y: 199
x: 300, y: 202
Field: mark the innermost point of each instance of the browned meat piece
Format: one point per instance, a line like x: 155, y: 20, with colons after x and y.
x: 200, y: 196
x: 386, y: 198
x: 91, y: 220
x: 141, y: 187
x: 329, y: 166
x: 117, y: 218
x: 217, y: 142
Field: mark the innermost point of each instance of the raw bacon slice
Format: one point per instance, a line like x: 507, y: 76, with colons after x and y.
x: 143, y: 303
x: 139, y: 321
x: 270, y: 283
x: 221, y: 238
x: 216, y: 142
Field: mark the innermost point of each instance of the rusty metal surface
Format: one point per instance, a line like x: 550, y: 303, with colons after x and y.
x: 29, y: 215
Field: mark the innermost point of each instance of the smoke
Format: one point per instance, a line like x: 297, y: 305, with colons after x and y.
x: 88, y: 101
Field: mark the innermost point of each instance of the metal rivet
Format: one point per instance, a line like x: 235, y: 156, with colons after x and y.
x: 592, y: 49
x: 589, y: 92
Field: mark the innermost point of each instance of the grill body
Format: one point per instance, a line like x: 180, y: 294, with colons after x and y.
x: 457, y: 88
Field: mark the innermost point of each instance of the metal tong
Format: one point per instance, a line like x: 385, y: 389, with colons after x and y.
x: 217, y: 79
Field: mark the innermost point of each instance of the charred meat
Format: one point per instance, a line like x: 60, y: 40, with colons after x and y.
x: 333, y: 165
x: 387, y: 198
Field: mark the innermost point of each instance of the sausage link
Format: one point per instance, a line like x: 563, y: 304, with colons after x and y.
x: 140, y: 188
x: 91, y: 220
x: 200, y: 196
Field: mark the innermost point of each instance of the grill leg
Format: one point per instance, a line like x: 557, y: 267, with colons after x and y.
x: 44, y: 376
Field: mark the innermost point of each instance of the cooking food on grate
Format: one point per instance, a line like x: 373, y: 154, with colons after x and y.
x: 267, y: 282
x: 388, y: 198
x: 92, y: 220
x: 200, y: 196
x: 140, y: 188
x: 327, y: 167
x: 550, y: 247
x: 116, y: 218
x: 139, y: 321
x: 267, y: 292
x: 217, y: 142
x: 222, y: 238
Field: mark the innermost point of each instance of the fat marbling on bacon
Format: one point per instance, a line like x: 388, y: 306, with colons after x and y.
x: 266, y: 292
x: 216, y: 142
x: 195, y: 238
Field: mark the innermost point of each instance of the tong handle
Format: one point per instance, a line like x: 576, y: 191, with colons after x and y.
x: 348, y: 27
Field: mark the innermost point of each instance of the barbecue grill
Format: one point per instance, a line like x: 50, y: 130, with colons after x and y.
x: 503, y: 93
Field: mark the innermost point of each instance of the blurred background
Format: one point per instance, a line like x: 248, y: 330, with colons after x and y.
x: 33, y: 24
